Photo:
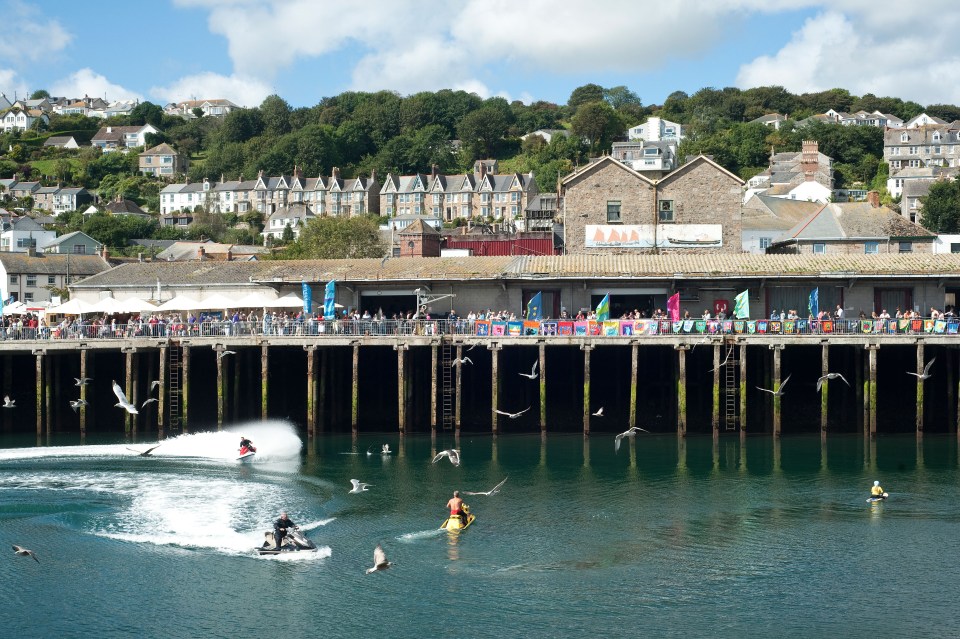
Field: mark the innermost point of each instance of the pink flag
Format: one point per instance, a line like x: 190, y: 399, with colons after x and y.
x: 673, y: 307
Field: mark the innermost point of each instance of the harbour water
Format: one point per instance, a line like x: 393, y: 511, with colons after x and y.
x: 667, y: 537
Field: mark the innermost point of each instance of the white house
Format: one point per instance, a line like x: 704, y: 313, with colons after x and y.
x: 922, y: 120
x: 111, y: 138
x: 20, y: 234
x: 20, y: 119
x: 657, y: 130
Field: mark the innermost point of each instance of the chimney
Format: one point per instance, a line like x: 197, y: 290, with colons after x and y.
x: 873, y: 197
x: 201, y: 254
x: 336, y: 173
x: 434, y: 170
x: 104, y: 253
x: 483, y: 169
x: 109, y: 129
x: 229, y: 255
x: 373, y: 176
x: 31, y: 251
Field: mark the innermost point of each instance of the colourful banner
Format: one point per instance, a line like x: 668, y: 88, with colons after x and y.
x: 939, y: 326
x: 700, y: 326
x: 482, y: 328
x: 580, y: 328
x: 916, y: 325
x: 826, y: 326
x: 531, y: 327
x: 928, y: 326
x: 903, y: 325
x: 728, y: 326
x: 687, y: 326
x: 761, y: 326
x: 498, y: 328
x: 611, y: 328
x: 626, y: 327
x: 565, y: 328
x: 891, y: 326
x: 676, y: 326
x: 953, y: 327
x: 548, y: 328
x: 775, y: 327
x: 790, y: 327
x: 751, y: 327
x: 515, y: 329
x: 739, y: 326
x: 594, y: 327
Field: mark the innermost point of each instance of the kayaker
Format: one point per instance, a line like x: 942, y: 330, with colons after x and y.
x: 246, y: 443
x: 456, y: 507
x: 877, y: 490
x: 280, y: 528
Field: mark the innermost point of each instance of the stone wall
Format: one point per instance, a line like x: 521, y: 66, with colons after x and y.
x: 705, y: 194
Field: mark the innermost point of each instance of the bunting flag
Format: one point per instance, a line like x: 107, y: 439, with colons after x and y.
x: 565, y: 328
x: 673, y: 307
x: 741, y: 305
x: 307, y: 297
x: 611, y: 328
x: 603, y: 308
x: 482, y: 327
x: 700, y: 325
x: 531, y: 327
x: 535, y: 307
x: 813, y: 304
x: 329, y: 301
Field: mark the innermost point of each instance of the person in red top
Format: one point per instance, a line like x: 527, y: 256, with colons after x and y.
x: 455, y: 504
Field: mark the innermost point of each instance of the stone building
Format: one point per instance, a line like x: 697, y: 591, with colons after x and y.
x: 610, y: 208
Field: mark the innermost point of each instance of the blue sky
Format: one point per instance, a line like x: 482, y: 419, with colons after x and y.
x: 303, y: 50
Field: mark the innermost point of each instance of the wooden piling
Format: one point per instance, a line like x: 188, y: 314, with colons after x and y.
x: 824, y: 387
x: 587, y: 349
x: 715, y: 411
x: 162, y: 397
x: 872, y: 396
x: 634, y: 361
x: 355, y: 390
x: 185, y: 390
x: 48, y: 394
x: 743, y: 388
x: 495, y: 385
x: 236, y: 364
x: 264, y: 377
x: 920, y: 364
x: 434, y: 358
x: 311, y: 390
x: 777, y: 413
x: 401, y: 387
x: 543, y: 386
x: 39, y: 396
x: 457, y: 387
x: 681, y: 389
x: 134, y: 391
x: 218, y: 350
x: 83, y: 393
x: 128, y: 389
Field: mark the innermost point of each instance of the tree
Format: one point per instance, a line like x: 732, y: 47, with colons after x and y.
x: 941, y: 207
x: 336, y: 238
x: 584, y: 95
x: 197, y: 112
x: 598, y: 123
x: 146, y: 113
x: 276, y: 115
x: 241, y: 124
x: 481, y: 131
x: 287, y: 235
x: 39, y: 94
x: 620, y: 97
x: 946, y: 112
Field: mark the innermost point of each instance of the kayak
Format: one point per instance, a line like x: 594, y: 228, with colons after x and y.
x: 453, y: 524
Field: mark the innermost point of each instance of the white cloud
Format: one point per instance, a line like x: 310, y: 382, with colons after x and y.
x: 26, y: 34
x: 89, y: 82
x: 242, y: 90
x: 868, y: 49
x: 11, y: 85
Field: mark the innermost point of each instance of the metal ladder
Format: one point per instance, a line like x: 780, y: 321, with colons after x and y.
x: 731, y: 369
x: 173, y: 390
x: 446, y: 396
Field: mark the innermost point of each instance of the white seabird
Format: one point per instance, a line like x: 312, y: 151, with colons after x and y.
x: 123, y: 403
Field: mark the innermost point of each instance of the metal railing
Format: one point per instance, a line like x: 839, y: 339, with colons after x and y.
x: 320, y: 328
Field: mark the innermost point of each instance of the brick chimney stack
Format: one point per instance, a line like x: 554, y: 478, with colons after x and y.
x: 201, y: 254
x: 104, y: 253
x: 809, y: 156
x: 336, y: 173
x: 873, y: 197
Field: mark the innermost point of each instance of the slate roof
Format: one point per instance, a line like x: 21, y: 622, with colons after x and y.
x: 70, y: 236
x: 125, y: 207
x: 851, y: 220
x: 627, y: 268
x: 763, y: 212
x: 417, y: 227
x: 160, y: 149
x: 53, y: 264
x: 58, y: 140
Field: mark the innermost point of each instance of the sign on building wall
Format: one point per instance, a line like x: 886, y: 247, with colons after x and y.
x: 650, y: 236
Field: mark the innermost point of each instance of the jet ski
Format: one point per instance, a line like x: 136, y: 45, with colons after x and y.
x: 454, y: 524
x: 293, y: 541
x: 246, y: 453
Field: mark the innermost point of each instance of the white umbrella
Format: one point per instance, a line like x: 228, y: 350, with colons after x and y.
x: 73, y: 307
x: 17, y: 308
x: 254, y: 300
x: 217, y: 301
x: 136, y: 305
x: 287, y: 301
x: 180, y: 303
x: 106, y: 305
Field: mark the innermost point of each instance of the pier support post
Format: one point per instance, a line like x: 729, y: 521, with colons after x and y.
x: 39, y: 355
x: 218, y: 349
x: 457, y: 386
x: 236, y: 364
x: 951, y: 390
x: 920, y: 365
x: 634, y: 360
x: 543, y: 386
x: 311, y: 390
x: 824, y: 387
x: 401, y: 387
x: 871, y: 403
x: 777, y: 413
x: 83, y: 393
x: 322, y: 391
x: 128, y: 389
x: 587, y: 349
x: 743, y: 389
x: 135, y: 392
x: 48, y: 395
x: 162, y: 399
x: 434, y: 359
x: 494, y: 384
x: 681, y: 389
x: 355, y: 390
x: 264, y: 383
x: 715, y: 412
x: 185, y: 390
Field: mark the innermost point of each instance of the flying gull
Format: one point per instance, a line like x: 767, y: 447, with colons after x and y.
x: 24, y: 552
x: 9, y: 403
x: 511, y: 415
x: 630, y: 432
x: 77, y: 403
x: 926, y: 370
x: 379, y: 560
x: 822, y: 380
x: 490, y: 493
x: 533, y: 371
x: 83, y: 381
x: 123, y: 403
x: 779, y: 391
x: 152, y: 399
x: 599, y: 412
x: 145, y: 453
x: 462, y: 360
x: 223, y: 354
x: 358, y: 486
x: 451, y: 453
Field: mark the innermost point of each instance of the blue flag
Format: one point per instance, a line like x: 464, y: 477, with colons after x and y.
x: 814, y: 303
x: 329, y: 299
x: 535, y: 307
x: 603, y: 308
x: 307, y: 297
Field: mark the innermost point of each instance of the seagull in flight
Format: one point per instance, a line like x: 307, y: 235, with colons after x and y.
x: 533, y: 374
x: 462, y: 360
x: 9, y: 403
x: 451, y: 453
x: 145, y: 453
x: 75, y: 404
x: 24, y: 552
x: 779, y: 391
x: 599, y: 412
x: 822, y: 380
x: 926, y: 371
x: 358, y: 486
x: 154, y: 384
x: 122, y: 399
x: 152, y: 399
x: 723, y: 363
x: 379, y: 560
x: 385, y: 449
x: 223, y: 354
x: 471, y: 348
x: 490, y: 493
x: 511, y: 415
x: 630, y: 432
x: 83, y: 381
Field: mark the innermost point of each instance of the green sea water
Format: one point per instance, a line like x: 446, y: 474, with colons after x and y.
x: 665, y: 538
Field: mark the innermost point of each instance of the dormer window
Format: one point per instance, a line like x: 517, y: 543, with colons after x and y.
x: 904, y: 137
x: 936, y: 136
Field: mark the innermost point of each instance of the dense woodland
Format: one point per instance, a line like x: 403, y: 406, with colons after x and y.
x: 385, y: 132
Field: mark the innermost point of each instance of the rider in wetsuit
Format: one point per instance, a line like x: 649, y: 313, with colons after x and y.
x: 280, y: 528
x: 244, y: 442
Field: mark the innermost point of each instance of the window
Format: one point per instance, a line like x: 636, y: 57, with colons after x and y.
x: 31, y: 280
x: 820, y: 248
x: 28, y: 297
x: 765, y: 242
x: 51, y: 280
x: 14, y: 279
x: 665, y: 210
x: 79, y: 249
x: 613, y: 212
x: 26, y: 242
x: 955, y: 247
x: 906, y: 247
x: 904, y: 137
x: 871, y: 248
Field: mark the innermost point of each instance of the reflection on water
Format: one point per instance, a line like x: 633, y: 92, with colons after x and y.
x: 723, y: 536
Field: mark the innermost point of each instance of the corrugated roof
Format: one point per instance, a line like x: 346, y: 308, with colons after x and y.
x: 854, y: 220
x: 53, y: 264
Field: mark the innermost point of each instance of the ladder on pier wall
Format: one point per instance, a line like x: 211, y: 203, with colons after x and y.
x: 446, y: 394
x: 731, y: 387
x: 173, y: 389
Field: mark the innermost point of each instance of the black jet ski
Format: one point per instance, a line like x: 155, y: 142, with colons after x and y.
x: 294, y: 541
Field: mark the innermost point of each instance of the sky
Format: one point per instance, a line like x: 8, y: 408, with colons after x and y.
x: 303, y: 50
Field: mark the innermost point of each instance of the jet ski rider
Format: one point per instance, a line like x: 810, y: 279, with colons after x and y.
x: 280, y: 527
x: 455, y: 504
x: 246, y: 443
